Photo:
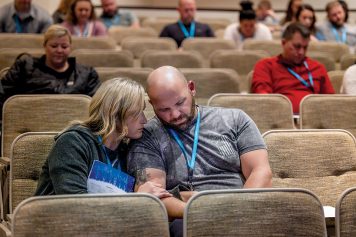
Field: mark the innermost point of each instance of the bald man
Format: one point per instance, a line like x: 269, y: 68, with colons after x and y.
x: 186, y: 27
x: 188, y: 148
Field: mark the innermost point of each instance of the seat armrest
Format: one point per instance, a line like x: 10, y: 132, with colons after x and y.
x: 5, y: 231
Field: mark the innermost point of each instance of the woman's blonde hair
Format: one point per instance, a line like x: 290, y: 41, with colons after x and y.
x: 114, y: 101
x: 72, y: 18
x: 55, y: 31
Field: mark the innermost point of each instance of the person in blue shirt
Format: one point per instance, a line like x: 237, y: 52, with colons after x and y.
x: 111, y: 15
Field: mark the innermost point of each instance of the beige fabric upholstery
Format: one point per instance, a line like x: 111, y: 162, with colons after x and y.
x: 104, y: 58
x: 126, y: 215
x: 268, y: 111
x: 336, y: 78
x: 137, y: 74
x: 157, y: 23
x: 93, y: 43
x: 215, y: 23
x: 329, y: 111
x: 254, y: 213
x: 8, y: 55
x: 178, y: 59
x: 333, y: 49
x: 323, y: 161
x: 38, y: 113
x: 28, y: 154
x: 347, y: 60
x: 138, y: 45
x: 220, y: 33
x: 207, y: 46
x: 21, y: 40
x: 241, y: 61
x: 209, y: 81
x: 272, y: 47
x: 345, y: 216
x: 118, y: 33
x: 323, y: 58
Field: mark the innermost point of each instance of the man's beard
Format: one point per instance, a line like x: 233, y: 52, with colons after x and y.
x: 336, y: 24
x: 189, y: 118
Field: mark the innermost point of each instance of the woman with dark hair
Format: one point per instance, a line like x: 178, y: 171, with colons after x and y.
x: 60, y: 14
x: 247, y: 27
x: 306, y: 16
x: 81, y: 20
x: 291, y: 11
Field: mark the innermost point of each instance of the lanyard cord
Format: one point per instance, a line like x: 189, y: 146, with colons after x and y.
x: 336, y: 34
x: 185, y: 31
x: 100, y: 140
x: 305, y: 83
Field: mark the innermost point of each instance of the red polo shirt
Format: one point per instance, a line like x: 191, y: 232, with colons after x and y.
x: 271, y: 75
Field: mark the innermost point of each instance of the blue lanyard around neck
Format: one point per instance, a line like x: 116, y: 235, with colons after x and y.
x: 100, y: 140
x: 185, y: 31
x: 336, y: 34
x: 191, y: 162
x: 305, y: 83
x: 18, y: 24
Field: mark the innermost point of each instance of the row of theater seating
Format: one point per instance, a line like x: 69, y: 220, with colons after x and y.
x: 248, y: 213
x: 321, y: 161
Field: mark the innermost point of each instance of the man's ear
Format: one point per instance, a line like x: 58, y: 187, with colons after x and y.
x: 191, y: 86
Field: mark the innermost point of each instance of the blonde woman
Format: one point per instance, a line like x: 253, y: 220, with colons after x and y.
x: 115, y: 117
x: 53, y: 73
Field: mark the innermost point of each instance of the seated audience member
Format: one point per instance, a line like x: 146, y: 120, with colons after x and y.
x: 112, y: 16
x: 247, y: 28
x: 265, y: 13
x: 81, y: 20
x: 349, y: 81
x: 306, y: 16
x: 53, y: 73
x: 292, y: 73
x: 189, y: 147
x: 60, y: 14
x: 186, y: 27
x: 115, y: 116
x: 24, y: 17
x: 335, y: 27
x: 291, y: 11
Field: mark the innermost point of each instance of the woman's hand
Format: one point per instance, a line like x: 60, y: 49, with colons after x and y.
x: 154, y: 189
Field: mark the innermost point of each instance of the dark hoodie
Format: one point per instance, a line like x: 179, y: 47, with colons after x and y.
x: 68, y: 164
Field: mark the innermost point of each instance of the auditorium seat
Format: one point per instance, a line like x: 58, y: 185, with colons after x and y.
x: 241, y: 61
x: 93, y: 43
x: 323, y: 58
x: 137, y: 74
x: 320, y: 160
x: 215, y: 23
x: 328, y: 112
x: 9, y: 55
x: 209, y: 81
x: 254, y: 213
x: 345, y: 216
x: 333, y: 49
x: 336, y: 78
x: 272, y: 47
x: 118, y: 33
x: 158, y: 23
x: 347, y: 60
x: 12, y: 40
x: 105, y: 215
x: 206, y: 46
x: 178, y: 59
x: 104, y: 58
x: 268, y: 111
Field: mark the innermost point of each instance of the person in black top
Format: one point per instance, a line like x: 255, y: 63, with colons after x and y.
x: 186, y: 27
x: 53, y: 73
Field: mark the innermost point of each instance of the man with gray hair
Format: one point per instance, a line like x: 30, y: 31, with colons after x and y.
x: 22, y: 16
x: 188, y: 147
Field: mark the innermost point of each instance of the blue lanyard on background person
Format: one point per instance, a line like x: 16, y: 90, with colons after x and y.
x: 18, y: 24
x: 191, y: 162
x: 305, y: 83
x: 100, y: 140
x: 185, y: 31
x: 336, y: 34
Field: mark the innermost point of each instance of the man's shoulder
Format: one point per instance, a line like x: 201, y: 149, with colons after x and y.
x: 217, y: 112
x: 40, y: 12
x: 6, y: 10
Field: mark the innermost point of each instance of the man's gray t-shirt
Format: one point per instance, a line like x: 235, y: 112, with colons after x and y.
x: 225, y: 134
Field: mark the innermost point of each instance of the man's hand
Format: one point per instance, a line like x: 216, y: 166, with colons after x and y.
x: 154, y: 189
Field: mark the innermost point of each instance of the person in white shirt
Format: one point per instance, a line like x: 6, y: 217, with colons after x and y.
x: 247, y: 28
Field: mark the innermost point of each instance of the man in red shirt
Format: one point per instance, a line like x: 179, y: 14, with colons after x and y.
x: 292, y: 73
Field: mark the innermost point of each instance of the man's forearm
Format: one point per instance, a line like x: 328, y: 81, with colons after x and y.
x: 174, y: 206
